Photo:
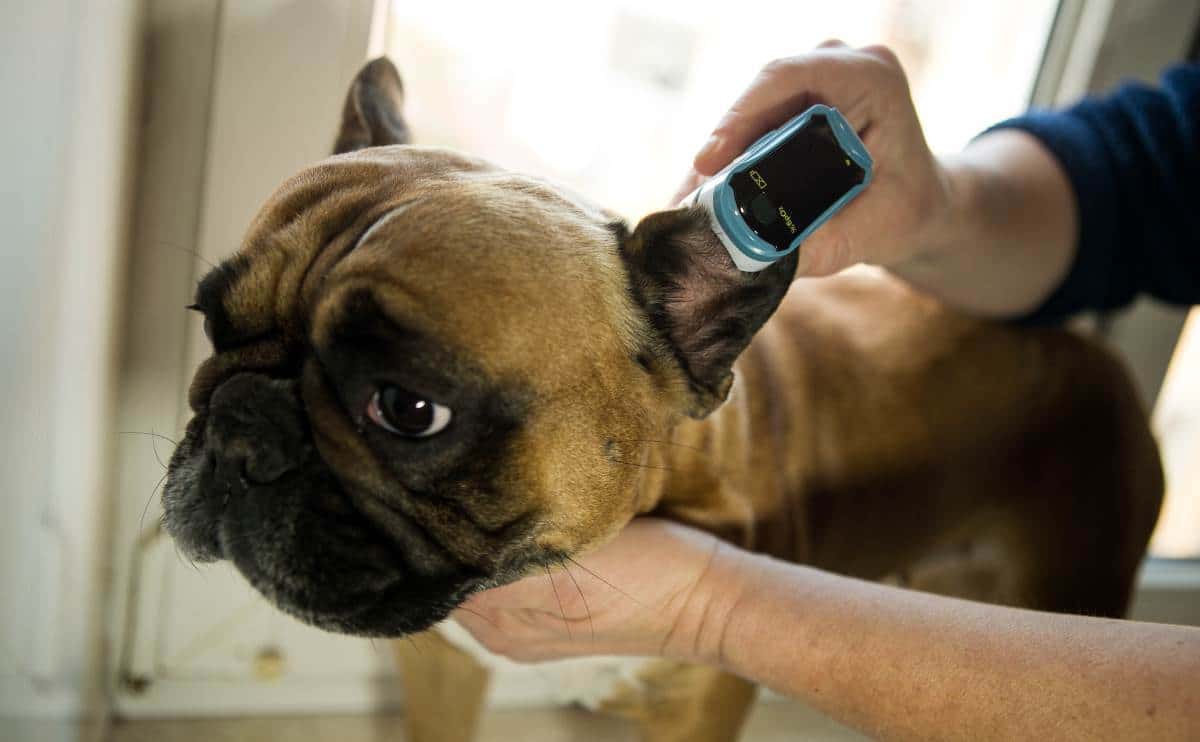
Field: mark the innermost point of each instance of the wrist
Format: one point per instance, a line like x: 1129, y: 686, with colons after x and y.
x: 700, y: 630
x: 946, y: 226
x: 1008, y: 234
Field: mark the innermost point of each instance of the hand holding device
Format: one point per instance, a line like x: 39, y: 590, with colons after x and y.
x: 906, y: 214
x: 786, y: 185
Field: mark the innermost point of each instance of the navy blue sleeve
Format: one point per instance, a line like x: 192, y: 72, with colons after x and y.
x: 1133, y: 159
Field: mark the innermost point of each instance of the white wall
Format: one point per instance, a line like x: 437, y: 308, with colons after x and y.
x: 66, y: 88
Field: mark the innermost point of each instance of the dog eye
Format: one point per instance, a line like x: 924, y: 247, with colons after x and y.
x: 207, y: 322
x: 399, y: 411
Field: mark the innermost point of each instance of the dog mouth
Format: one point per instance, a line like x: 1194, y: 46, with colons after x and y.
x: 302, y: 543
x: 299, y: 536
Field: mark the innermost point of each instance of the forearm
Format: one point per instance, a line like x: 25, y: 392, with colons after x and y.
x: 906, y: 665
x: 1008, y: 234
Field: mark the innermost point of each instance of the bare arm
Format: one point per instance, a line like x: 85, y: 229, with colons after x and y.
x: 896, y: 663
x: 907, y: 665
x: 1007, y: 238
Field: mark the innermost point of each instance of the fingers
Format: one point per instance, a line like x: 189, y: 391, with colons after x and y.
x: 518, y: 622
x: 869, y: 87
x: 517, y: 640
x: 854, y: 81
x: 769, y: 101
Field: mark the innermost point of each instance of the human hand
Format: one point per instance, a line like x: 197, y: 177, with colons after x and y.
x: 904, y: 212
x: 658, y: 588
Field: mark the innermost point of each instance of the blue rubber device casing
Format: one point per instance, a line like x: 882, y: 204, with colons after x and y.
x: 716, y: 195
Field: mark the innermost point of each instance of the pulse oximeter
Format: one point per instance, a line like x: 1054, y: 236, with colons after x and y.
x: 786, y: 185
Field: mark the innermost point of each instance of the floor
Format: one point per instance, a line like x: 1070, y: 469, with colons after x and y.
x: 46, y: 730
x: 770, y: 722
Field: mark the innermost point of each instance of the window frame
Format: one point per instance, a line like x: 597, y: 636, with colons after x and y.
x: 1092, y: 45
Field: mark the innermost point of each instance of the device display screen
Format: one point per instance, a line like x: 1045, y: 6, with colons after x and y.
x: 789, y: 188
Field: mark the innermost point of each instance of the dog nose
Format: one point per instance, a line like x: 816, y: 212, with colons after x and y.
x: 255, y: 428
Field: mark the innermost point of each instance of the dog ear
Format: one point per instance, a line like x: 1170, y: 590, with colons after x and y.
x: 702, y: 307
x: 371, y: 116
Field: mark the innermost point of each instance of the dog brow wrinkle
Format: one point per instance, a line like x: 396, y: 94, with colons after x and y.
x: 383, y: 220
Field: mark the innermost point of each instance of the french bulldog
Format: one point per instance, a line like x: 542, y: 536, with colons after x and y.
x: 431, y: 376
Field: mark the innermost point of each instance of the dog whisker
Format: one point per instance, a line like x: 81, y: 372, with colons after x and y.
x: 586, y: 607
x: 606, y: 582
x: 409, y: 638
x: 194, y: 253
x: 154, y: 448
x: 150, y: 499
x: 697, y: 449
x: 561, y: 612
x: 159, y: 436
x: 180, y: 556
x: 641, y: 466
x: 477, y: 614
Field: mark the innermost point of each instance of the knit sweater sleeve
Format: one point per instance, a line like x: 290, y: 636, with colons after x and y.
x: 1133, y: 160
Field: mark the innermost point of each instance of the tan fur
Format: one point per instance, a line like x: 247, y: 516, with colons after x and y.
x: 444, y: 689
x: 676, y: 702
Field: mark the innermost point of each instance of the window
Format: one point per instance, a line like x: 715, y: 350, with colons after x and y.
x: 612, y: 98
x: 1177, y: 425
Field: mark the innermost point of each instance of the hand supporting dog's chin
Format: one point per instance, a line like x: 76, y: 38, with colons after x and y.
x: 302, y: 544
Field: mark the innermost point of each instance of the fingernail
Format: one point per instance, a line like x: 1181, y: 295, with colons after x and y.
x: 712, y: 145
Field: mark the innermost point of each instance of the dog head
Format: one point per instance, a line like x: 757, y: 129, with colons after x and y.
x: 430, y: 376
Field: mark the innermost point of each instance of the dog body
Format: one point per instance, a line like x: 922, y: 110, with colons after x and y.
x: 431, y: 376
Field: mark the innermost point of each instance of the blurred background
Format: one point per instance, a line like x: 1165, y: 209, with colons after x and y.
x: 139, y: 137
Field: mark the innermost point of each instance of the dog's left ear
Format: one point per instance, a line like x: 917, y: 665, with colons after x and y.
x: 703, y: 308
x: 372, y: 115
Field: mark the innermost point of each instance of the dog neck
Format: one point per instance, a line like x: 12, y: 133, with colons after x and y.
x: 740, y: 465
